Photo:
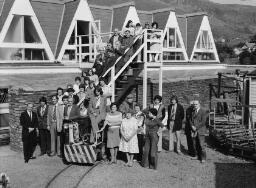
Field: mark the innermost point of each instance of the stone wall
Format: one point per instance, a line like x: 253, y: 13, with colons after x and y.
x: 184, y: 90
x: 18, y: 100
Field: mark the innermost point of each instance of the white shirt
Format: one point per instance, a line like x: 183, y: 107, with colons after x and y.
x: 76, y: 88
x: 107, y: 92
x: 30, y: 114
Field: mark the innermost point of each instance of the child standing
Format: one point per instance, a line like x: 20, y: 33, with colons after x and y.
x: 129, y: 140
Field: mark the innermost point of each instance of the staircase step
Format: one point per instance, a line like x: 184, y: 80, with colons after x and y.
x: 123, y: 81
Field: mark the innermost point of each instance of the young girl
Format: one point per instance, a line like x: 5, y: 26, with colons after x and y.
x: 129, y: 140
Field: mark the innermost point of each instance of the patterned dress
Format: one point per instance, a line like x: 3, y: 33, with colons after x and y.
x: 128, y: 127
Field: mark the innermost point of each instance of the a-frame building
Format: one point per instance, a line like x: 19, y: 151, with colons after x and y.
x: 21, y: 36
x: 173, y: 46
x: 198, y: 38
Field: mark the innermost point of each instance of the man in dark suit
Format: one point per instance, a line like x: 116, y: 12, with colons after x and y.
x: 188, y: 130
x: 198, y: 128
x: 73, y: 111
x: 29, y: 123
x: 44, y: 129
x: 174, y: 122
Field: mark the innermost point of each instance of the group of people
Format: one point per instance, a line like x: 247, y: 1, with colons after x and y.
x: 129, y: 129
x: 122, y: 40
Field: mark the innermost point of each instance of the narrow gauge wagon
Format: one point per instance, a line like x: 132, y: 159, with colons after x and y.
x: 77, y: 147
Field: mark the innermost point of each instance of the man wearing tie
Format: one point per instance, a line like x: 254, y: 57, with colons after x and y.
x: 29, y: 123
x: 198, y: 128
x: 52, y: 123
x: 174, y: 122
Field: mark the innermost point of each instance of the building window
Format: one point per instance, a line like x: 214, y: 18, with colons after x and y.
x: 171, y: 39
x: 204, y: 41
x: 201, y: 56
x: 171, y: 56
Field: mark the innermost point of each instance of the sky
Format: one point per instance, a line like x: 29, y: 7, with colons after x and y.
x: 243, y: 2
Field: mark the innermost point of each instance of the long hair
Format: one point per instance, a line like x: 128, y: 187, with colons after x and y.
x: 128, y: 23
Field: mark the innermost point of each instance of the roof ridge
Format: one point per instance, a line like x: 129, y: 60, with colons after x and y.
x: 192, y: 14
x: 50, y: 1
x: 129, y: 3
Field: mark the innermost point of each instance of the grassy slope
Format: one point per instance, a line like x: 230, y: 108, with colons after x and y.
x: 229, y: 21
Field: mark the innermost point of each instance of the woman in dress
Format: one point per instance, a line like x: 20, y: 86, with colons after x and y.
x: 113, y: 122
x: 129, y: 140
x: 155, y: 46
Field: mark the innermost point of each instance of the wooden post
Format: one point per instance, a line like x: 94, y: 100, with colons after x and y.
x: 80, y: 51
x: 113, y: 83
x: 145, y: 84
x: 145, y: 75
x: 219, y: 85
x: 90, y: 41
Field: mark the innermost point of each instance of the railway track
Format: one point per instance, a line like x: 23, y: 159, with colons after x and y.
x: 68, y: 168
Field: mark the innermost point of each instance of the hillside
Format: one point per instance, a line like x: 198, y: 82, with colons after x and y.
x: 228, y: 21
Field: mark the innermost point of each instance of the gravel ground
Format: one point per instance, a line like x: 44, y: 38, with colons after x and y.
x: 174, y: 170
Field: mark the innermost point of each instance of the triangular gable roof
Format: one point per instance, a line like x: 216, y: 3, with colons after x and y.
x: 24, y: 7
x: 189, y: 25
x: 4, y: 11
x: 69, y: 13
x: 49, y: 15
x: 75, y: 10
x: 205, y: 26
x: 132, y: 15
x: 172, y: 22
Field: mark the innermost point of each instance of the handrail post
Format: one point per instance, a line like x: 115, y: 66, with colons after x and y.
x: 80, y: 51
x: 113, y: 83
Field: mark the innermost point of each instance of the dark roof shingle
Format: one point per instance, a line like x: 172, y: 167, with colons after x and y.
x: 6, y: 7
x: 49, y: 16
x: 70, y: 10
x: 119, y: 16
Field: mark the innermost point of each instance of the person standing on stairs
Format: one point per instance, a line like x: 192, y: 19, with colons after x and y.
x: 115, y: 37
x: 127, y: 105
x: 157, y: 104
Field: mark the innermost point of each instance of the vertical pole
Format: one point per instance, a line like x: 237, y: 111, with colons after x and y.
x: 22, y: 37
x: 219, y: 85
x: 113, y: 83
x: 80, y: 51
x: 210, y: 97
x: 76, y: 44
x: 145, y: 84
x: 145, y: 76
x: 161, y: 66
x: 90, y: 41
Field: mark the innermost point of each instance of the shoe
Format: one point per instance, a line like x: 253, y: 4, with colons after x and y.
x: 41, y: 154
x: 26, y: 161
x: 179, y: 152
x: 193, y: 158
x: 33, y: 157
x: 53, y: 154
x: 202, y: 161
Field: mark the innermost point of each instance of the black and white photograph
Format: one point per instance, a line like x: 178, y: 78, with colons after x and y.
x: 128, y: 93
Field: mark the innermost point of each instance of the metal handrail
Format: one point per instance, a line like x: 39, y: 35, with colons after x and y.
x: 118, y: 59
